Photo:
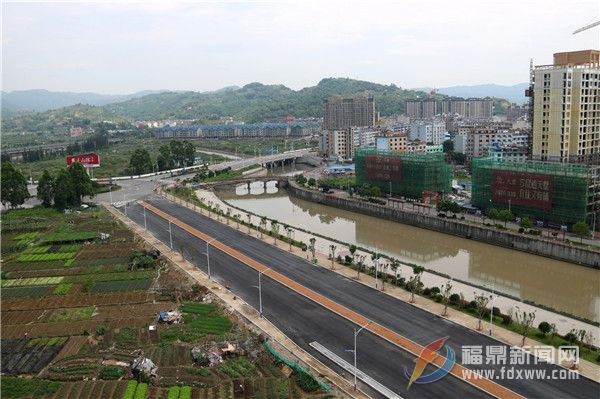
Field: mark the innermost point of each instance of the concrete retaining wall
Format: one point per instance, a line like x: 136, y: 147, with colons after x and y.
x: 484, y: 234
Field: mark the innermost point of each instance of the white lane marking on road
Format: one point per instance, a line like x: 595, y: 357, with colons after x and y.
x: 382, y: 389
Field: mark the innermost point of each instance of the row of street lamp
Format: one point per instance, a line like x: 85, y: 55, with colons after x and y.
x: 259, y: 286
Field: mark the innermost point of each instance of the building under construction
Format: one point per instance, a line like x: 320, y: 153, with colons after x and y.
x: 559, y: 194
x: 406, y: 174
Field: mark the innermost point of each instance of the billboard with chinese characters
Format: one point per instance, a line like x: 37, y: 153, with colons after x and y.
x: 526, y: 189
x: 383, y: 167
x: 88, y: 160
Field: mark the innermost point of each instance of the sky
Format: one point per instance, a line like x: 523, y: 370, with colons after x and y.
x: 124, y: 47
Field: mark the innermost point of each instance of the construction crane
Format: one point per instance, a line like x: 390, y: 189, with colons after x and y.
x: 590, y: 26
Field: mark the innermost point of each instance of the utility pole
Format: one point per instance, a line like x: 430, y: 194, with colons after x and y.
x: 145, y: 225
x: 356, y: 332
x: 208, y: 257
x: 170, y: 236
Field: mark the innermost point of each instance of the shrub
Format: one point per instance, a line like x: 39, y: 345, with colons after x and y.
x: 435, y: 290
x: 101, y: 331
x: 521, y: 230
x: 427, y: 291
x: 307, y: 382
x: 472, y: 305
x: 496, y: 311
x: 506, y: 319
x: 571, y: 337
x: 544, y: 327
x: 454, y: 299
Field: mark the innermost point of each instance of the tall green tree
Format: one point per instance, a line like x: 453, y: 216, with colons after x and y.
x: 140, y: 162
x: 64, y: 195
x: 80, y: 181
x: 189, y: 153
x: 45, y: 189
x: 14, y: 185
x: 177, y: 152
x: 581, y: 229
x: 165, y: 158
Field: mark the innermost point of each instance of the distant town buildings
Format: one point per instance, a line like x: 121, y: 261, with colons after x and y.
x: 421, y: 109
x: 294, y: 129
x: 428, y: 131
x: 470, y: 108
x: 566, y: 108
x: 346, y: 112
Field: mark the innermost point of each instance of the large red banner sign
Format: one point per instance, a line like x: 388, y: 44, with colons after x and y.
x: 89, y: 160
x: 383, y: 167
x: 526, y: 189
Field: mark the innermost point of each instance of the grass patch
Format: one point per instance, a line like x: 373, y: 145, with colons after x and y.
x: 45, y: 257
x: 71, y: 314
x: 23, y: 292
x: 111, y: 372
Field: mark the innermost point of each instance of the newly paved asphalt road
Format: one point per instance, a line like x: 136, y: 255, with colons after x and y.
x: 304, y: 321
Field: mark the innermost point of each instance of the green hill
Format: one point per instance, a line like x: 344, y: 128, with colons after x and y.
x: 254, y: 102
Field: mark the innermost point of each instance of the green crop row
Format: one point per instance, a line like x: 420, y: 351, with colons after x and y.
x: 198, y: 308
x: 28, y: 236
x: 69, y: 248
x: 141, y: 390
x: 173, y: 393
x: 124, y: 285
x: 69, y: 237
x: 31, y: 281
x: 111, y: 372
x: 46, y: 341
x: 22, y: 292
x: 130, y: 391
x: 37, y: 250
x: 137, y: 275
x: 69, y: 262
x: 71, y: 314
x: 63, y: 289
x: 46, y: 257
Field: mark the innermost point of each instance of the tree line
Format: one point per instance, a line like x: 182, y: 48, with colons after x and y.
x: 172, y: 155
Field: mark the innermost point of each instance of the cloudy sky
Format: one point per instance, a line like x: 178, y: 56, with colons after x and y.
x: 126, y: 47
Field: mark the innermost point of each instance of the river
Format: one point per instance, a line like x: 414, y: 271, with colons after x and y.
x: 560, y: 285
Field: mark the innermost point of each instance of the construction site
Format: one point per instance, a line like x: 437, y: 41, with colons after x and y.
x: 550, y: 192
x: 405, y: 174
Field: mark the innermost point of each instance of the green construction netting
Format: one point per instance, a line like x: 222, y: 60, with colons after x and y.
x: 294, y: 366
x: 410, y: 174
x: 570, y: 194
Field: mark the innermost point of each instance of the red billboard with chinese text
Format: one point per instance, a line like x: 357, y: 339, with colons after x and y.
x: 88, y: 160
x: 527, y: 189
x: 383, y: 167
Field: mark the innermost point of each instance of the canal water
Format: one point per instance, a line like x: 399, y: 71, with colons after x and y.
x: 560, y: 285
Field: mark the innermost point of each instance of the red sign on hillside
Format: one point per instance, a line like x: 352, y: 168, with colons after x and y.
x: 526, y: 189
x: 88, y: 160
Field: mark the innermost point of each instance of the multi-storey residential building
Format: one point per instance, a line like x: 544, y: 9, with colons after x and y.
x: 431, y: 131
x: 338, y: 143
x: 365, y: 136
x: 566, y: 108
x: 346, y: 112
x: 470, y: 108
x: 421, y: 109
x: 396, y: 142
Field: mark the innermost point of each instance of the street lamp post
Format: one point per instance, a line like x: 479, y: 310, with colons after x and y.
x: 356, y: 332
x: 110, y: 193
x: 145, y: 224
x: 492, y: 299
x: 170, y: 235
x: 208, y: 257
x: 125, y: 201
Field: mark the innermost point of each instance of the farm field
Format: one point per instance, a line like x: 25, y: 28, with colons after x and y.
x: 76, y: 315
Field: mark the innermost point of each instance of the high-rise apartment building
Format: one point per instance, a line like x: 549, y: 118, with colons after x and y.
x: 566, y: 108
x: 421, y: 109
x: 347, y: 112
x: 432, y: 131
x: 470, y: 108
